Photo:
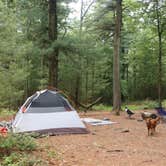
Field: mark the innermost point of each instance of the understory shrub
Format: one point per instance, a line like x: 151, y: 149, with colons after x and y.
x: 15, y: 150
x: 17, y: 142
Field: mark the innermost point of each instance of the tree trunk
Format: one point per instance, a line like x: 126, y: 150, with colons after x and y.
x: 116, y: 66
x: 77, y: 90
x: 93, y: 79
x: 160, y: 72
x: 159, y: 55
x: 78, y: 75
x: 86, y: 81
x: 53, y: 35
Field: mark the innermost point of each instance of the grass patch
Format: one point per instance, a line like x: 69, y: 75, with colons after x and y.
x: 164, y: 103
x: 17, y: 159
x: 54, y: 154
x: 16, y: 149
x: 102, y: 107
x: 17, y: 142
x: 6, y: 112
x: 137, y: 105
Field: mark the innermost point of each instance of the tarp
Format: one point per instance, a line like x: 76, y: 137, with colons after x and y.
x: 97, y: 122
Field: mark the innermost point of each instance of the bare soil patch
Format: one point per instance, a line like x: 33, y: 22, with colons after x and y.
x: 123, y: 144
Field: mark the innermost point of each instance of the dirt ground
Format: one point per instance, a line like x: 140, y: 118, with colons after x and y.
x: 108, y: 145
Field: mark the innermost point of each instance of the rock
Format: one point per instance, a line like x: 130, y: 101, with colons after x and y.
x: 116, y: 150
x: 93, y: 133
x: 125, y: 131
x: 106, y: 119
x: 140, y: 120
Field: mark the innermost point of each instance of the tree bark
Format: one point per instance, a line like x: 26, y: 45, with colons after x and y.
x: 93, y: 79
x: 86, y: 81
x: 53, y: 35
x: 77, y: 90
x: 159, y: 54
x: 116, y: 66
x: 78, y: 75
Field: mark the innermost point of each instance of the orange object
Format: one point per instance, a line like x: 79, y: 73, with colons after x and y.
x: 23, y: 109
x: 3, y: 131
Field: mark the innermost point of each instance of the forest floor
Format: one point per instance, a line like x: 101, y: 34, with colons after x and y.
x: 108, y: 145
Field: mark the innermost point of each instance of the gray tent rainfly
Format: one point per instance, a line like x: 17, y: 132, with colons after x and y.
x: 48, y: 112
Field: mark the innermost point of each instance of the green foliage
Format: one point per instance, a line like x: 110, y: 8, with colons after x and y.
x: 16, y: 159
x: 54, y: 154
x: 18, y: 142
x: 13, y: 71
x: 102, y: 107
x: 15, y: 151
x: 6, y: 112
x: 13, y: 158
x: 85, y: 52
x: 136, y: 105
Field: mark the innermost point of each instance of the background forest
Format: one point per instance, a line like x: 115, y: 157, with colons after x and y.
x: 84, y: 45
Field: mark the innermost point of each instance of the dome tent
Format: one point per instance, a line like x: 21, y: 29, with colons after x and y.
x: 48, y: 112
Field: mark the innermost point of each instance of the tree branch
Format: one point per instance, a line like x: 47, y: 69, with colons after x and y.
x: 71, y: 99
x: 87, y: 107
x: 84, y: 14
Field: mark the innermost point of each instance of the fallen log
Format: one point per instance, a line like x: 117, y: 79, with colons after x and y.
x: 87, y: 107
x: 72, y: 101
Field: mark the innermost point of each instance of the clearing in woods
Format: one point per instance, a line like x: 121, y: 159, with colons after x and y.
x: 108, y: 145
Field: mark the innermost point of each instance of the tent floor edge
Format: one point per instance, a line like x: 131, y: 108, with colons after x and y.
x: 60, y: 131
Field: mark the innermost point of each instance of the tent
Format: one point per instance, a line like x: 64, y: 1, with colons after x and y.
x: 48, y: 112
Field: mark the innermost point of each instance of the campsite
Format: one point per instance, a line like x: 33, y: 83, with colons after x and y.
x: 101, y: 148
x: 106, y: 145
x: 82, y: 82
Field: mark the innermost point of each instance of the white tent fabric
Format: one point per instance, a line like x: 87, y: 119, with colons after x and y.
x: 52, y: 120
x: 35, y: 122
